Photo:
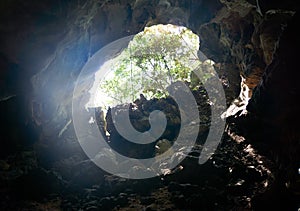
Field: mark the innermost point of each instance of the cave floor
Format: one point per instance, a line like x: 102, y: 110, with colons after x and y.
x: 230, y: 180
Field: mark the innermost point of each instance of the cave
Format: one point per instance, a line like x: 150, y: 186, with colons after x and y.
x: 212, y: 126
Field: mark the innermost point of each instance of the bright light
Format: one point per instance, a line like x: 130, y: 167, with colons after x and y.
x: 239, y: 104
x: 189, y: 43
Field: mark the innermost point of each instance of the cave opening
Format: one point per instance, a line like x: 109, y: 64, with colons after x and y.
x: 159, y: 82
x: 64, y: 150
x: 139, y: 77
x: 154, y: 58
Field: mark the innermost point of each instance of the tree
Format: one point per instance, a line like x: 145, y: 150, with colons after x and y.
x: 155, y: 58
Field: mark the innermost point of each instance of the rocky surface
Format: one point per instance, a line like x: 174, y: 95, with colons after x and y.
x: 274, y: 106
x: 139, y: 116
x: 43, y: 47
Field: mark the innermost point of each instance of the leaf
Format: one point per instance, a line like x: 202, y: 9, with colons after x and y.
x: 154, y: 58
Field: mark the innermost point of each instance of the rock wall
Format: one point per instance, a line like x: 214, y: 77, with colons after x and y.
x: 274, y: 107
x: 44, y: 45
x: 44, y: 48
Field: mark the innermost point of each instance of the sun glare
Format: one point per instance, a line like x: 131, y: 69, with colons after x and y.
x: 153, y: 59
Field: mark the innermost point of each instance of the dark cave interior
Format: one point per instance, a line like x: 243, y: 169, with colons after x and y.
x: 45, y: 45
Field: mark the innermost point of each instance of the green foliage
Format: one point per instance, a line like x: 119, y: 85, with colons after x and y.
x: 155, y: 58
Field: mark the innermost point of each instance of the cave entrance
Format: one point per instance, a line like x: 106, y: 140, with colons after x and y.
x: 162, y: 63
x: 153, y: 59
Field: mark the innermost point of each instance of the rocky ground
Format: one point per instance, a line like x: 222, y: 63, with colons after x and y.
x: 230, y: 180
x: 45, y: 44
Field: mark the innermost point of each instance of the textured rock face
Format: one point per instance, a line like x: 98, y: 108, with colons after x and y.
x: 274, y: 100
x: 52, y: 45
x: 44, y: 48
x: 139, y: 117
x: 45, y: 44
x: 275, y: 115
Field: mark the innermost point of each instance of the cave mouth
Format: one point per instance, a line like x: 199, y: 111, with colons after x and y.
x: 153, y: 60
x: 140, y: 74
x: 134, y: 79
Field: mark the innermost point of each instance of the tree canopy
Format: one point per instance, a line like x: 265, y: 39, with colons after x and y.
x: 154, y: 58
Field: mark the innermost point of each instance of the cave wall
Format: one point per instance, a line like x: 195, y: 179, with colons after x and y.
x: 44, y: 45
x: 274, y: 106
